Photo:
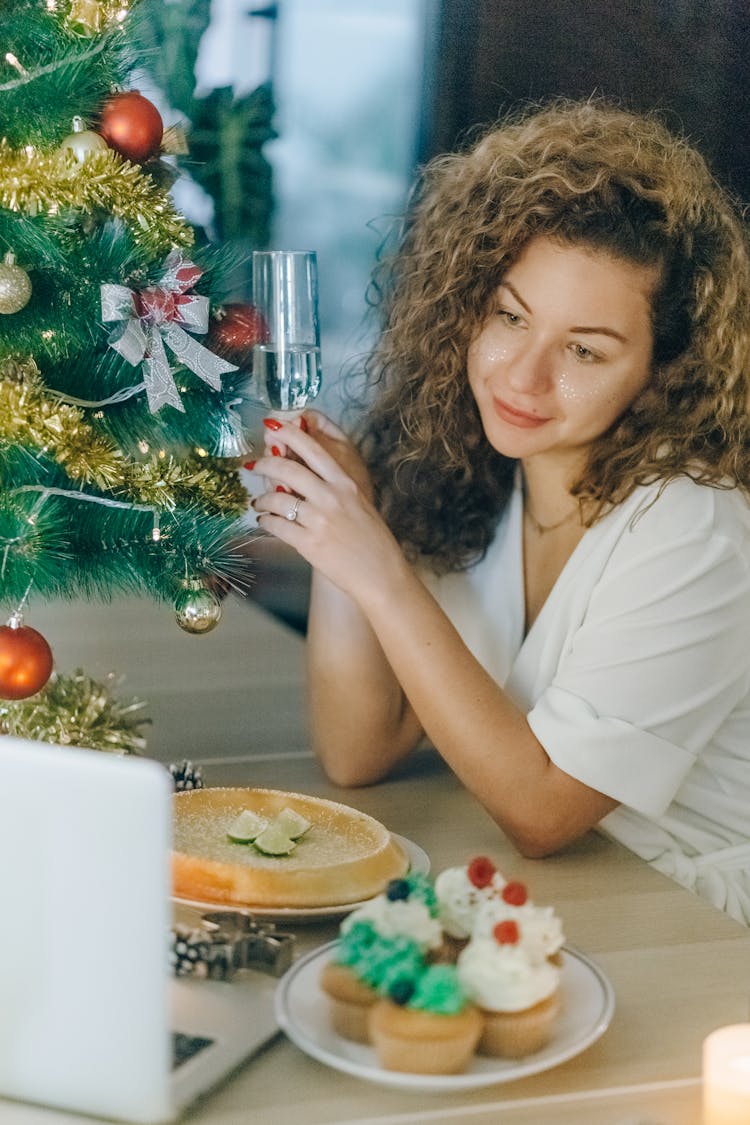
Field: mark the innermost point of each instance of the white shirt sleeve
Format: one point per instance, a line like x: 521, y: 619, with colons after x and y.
x: 660, y: 658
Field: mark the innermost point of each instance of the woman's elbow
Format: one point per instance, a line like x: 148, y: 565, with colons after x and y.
x: 345, y: 771
x: 537, y: 840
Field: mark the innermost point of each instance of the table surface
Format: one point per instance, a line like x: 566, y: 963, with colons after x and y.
x: 234, y: 702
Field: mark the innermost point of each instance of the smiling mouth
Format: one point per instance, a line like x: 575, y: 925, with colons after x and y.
x: 517, y: 417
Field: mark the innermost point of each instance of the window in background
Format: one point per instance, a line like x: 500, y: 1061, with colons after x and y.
x: 347, y: 78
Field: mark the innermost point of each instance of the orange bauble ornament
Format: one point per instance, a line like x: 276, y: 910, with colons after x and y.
x: 25, y: 660
x: 132, y: 126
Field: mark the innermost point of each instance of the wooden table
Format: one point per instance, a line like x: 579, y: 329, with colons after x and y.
x: 679, y: 968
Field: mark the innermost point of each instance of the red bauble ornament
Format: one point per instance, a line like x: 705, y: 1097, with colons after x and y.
x: 235, y: 332
x: 132, y: 126
x: 25, y: 660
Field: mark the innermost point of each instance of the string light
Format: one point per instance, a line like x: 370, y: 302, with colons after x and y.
x: 11, y: 58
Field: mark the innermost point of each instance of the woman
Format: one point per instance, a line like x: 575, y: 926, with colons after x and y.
x: 540, y: 557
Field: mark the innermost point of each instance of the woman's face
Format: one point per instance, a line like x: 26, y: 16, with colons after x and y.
x: 565, y: 349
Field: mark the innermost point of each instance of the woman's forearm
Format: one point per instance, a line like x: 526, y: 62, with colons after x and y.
x: 474, y: 724
x: 360, y: 720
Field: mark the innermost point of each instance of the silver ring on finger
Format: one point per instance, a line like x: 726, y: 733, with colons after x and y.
x: 293, y: 512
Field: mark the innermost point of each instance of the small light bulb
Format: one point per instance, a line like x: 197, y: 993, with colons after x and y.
x: 11, y: 58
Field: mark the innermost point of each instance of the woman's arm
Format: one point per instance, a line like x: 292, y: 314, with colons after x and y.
x: 361, y: 722
x: 387, y: 641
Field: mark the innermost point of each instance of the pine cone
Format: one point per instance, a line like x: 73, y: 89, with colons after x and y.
x: 185, y: 776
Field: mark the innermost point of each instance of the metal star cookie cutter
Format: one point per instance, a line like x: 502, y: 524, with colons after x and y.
x: 228, y: 940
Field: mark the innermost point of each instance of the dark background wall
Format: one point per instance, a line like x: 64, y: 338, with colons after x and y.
x: 687, y: 58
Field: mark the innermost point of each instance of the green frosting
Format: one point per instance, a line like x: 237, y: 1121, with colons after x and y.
x: 438, y: 990
x: 420, y: 887
x: 376, y: 960
x: 387, y: 959
x: 354, y: 944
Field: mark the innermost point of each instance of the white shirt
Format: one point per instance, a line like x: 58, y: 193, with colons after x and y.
x: 635, y: 675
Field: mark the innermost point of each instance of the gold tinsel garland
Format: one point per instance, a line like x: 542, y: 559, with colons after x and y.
x: 77, y: 710
x: 49, y: 182
x: 31, y: 417
x: 90, y: 17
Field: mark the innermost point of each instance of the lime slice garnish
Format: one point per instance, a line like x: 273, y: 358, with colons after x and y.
x: 291, y: 822
x: 274, y: 841
x: 246, y: 827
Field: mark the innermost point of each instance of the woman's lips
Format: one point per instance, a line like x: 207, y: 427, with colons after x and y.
x: 517, y: 417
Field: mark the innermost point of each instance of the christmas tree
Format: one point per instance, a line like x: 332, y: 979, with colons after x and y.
x: 121, y: 362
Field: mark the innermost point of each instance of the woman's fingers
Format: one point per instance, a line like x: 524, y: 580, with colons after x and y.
x: 321, y: 458
x: 321, y: 425
x: 294, y: 476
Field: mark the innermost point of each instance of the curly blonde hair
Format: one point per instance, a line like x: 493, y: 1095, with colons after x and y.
x: 586, y: 173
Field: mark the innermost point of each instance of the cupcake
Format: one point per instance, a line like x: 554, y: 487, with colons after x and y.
x: 517, y: 992
x: 542, y: 930
x: 426, y: 1024
x: 407, y: 908
x: 380, y: 941
x: 461, y: 892
x: 363, y: 965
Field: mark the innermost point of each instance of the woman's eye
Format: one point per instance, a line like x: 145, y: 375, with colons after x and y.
x: 584, y: 354
x: 513, y: 320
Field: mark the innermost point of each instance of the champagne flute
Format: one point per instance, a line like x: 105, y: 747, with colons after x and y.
x: 286, y: 361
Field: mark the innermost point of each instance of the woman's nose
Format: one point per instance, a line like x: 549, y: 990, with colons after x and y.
x: 531, y: 371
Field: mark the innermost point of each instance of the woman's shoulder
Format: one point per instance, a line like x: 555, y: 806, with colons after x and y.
x: 683, y: 506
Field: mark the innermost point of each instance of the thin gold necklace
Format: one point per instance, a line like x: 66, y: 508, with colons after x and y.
x: 543, y: 528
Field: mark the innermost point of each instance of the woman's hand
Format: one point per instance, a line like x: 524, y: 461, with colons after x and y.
x: 322, y: 506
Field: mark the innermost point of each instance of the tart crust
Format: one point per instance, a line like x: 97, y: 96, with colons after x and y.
x: 345, y: 857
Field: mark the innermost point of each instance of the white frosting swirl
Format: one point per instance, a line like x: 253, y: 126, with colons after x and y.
x: 503, y: 978
x: 402, y: 918
x: 459, y: 900
x: 540, y: 928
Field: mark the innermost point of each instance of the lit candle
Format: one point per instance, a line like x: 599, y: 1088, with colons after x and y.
x: 726, y: 1076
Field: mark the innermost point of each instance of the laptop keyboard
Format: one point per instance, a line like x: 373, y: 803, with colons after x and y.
x: 186, y: 1047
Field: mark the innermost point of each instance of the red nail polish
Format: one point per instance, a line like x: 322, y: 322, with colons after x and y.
x: 249, y: 464
x: 272, y: 423
x: 281, y: 488
x: 275, y: 451
x: 303, y: 425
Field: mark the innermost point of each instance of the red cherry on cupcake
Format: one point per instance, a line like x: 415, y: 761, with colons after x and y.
x: 506, y: 933
x: 481, y: 871
x: 515, y: 894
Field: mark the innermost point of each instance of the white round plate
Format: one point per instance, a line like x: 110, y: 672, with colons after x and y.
x: 588, y: 1002
x: 419, y: 864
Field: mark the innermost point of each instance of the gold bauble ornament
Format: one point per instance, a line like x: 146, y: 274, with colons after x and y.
x: 86, y: 16
x: 15, y: 285
x: 197, y: 610
x: 83, y: 142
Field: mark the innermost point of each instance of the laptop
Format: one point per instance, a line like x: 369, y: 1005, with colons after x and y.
x: 90, y: 1013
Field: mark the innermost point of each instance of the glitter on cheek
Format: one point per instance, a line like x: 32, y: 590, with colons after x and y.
x: 496, y: 353
x: 572, y: 390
